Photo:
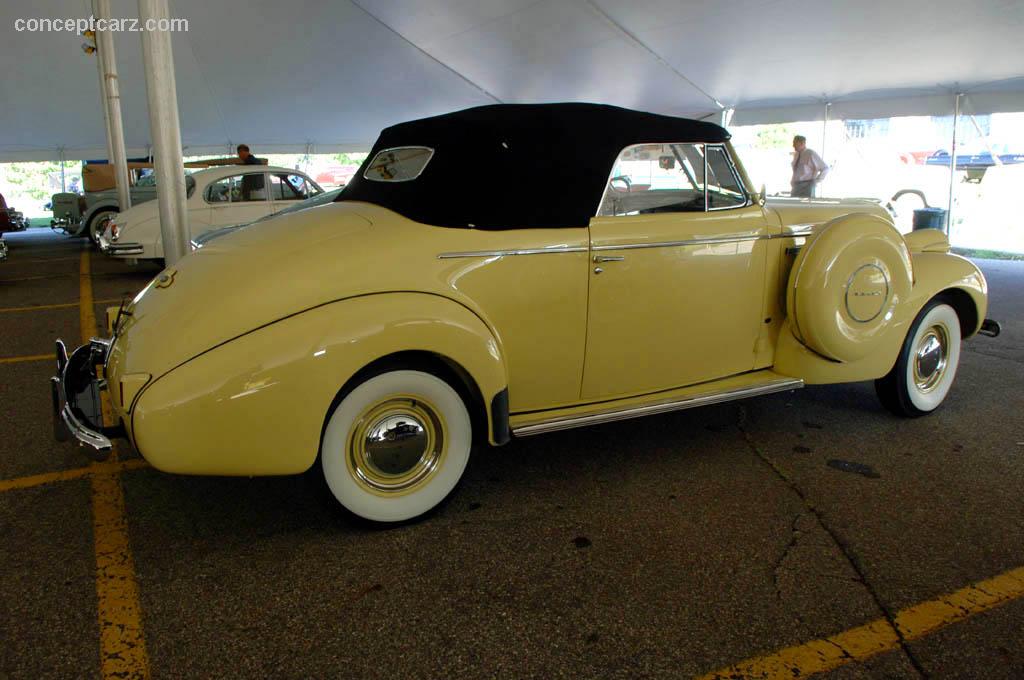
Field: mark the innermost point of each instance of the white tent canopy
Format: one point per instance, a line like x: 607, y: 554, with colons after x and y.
x: 307, y: 76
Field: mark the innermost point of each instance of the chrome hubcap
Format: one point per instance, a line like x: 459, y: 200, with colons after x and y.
x: 396, y: 445
x: 931, y: 358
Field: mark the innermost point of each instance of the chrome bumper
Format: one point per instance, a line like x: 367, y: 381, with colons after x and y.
x: 991, y: 328
x: 122, y: 249
x: 77, y: 411
x: 110, y: 247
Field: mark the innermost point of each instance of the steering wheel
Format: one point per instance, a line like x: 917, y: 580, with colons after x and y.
x: 623, y: 178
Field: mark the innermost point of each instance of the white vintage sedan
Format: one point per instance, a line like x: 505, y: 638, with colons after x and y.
x: 215, y: 198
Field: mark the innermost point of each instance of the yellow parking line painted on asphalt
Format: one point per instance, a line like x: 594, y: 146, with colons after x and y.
x: 122, y: 643
x: 68, y: 475
x: 879, y: 636
x: 30, y: 357
x: 62, y: 305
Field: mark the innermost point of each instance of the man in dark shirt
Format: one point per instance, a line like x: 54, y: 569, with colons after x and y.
x: 252, y: 185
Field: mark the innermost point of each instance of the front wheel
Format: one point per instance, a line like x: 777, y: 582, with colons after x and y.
x: 396, y: 445
x: 926, y: 367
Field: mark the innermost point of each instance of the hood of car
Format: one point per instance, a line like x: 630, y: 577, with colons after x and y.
x: 259, y: 276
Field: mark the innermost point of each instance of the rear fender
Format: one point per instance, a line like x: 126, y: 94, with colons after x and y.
x: 256, y: 404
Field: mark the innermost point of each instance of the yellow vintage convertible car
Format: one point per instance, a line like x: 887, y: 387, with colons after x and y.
x: 507, y: 271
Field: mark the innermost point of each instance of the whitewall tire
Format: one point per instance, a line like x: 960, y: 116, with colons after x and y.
x: 926, y: 367
x: 396, y: 445
x: 99, y: 223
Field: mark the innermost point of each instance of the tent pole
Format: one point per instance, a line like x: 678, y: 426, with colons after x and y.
x: 165, y: 128
x: 115, y: 128
x: 824, y: 129
x: 104, y: 103
x: 952, y: 164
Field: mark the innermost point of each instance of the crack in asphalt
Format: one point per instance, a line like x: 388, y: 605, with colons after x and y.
x: 844, y: 547
x: 794, y: 537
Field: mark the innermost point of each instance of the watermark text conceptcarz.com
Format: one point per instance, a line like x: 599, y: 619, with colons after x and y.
x: 114, y: 25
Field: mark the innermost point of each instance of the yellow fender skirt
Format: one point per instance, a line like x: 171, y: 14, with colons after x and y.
x: 257, y: 404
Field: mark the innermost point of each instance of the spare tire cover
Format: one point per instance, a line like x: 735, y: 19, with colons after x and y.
x: 845, y: 285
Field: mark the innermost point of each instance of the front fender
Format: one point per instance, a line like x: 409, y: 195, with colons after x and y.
x: 934, y: 273
x: 937, y: 272
x: 96, y: 207
x: 256, y: 404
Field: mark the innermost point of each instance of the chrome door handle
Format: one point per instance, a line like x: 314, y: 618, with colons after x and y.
x: 608, y: 258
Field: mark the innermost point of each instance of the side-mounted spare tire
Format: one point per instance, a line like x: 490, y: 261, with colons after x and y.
x: 845, y: 284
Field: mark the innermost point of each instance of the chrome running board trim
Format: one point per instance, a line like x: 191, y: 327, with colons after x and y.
x: 569, y: 422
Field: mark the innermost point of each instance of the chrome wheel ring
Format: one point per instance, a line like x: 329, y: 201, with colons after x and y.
x: 931, y: 358
x: 396, y: 445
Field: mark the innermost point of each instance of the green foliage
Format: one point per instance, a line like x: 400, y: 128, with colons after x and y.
x: 779, y: 136
x: 35, y: 180
x: 349, y: 158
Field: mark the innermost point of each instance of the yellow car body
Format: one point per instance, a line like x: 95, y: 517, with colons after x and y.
x: 230, y: 362
x: 233, y: 366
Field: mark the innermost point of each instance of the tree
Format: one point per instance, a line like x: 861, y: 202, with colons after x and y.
x: 777, y: 136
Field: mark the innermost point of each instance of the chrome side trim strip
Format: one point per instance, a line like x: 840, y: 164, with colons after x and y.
x: 569, y: 422
x: 804, y: 230
x: 673, y: 244
x: 701, y: 241
x: 510, y: 253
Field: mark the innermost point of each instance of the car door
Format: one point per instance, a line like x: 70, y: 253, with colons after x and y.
x: 236, y: 199
x: 677, y: 273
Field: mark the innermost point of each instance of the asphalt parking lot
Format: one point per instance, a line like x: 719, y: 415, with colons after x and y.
x: 775, y: 537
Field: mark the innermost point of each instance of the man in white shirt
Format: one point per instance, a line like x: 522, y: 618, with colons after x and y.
x: 808, y: 169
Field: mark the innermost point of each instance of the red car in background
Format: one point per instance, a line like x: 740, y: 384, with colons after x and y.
x: 336, y: 175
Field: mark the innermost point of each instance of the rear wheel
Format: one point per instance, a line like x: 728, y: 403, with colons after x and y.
x: 926, y: 367
x: 396, y: 445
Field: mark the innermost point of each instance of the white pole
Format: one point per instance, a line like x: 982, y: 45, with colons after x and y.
x: 104, y: 103
x: 115, y: 128
x: 824, y: 129
x: 63, y: 183
x: 165, y: 128
x: 952, y: 164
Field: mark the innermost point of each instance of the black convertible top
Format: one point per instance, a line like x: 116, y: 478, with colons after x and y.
x: 517, y: 166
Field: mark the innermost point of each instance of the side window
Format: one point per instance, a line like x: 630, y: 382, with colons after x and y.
x: 291, y: 188
x: 237, y: 189
x: 724, y: 188
x: 219, y: 191
x: 653, y: 178
x: 251, y: 187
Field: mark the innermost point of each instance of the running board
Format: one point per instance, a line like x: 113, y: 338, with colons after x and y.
x: 665, y: 406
